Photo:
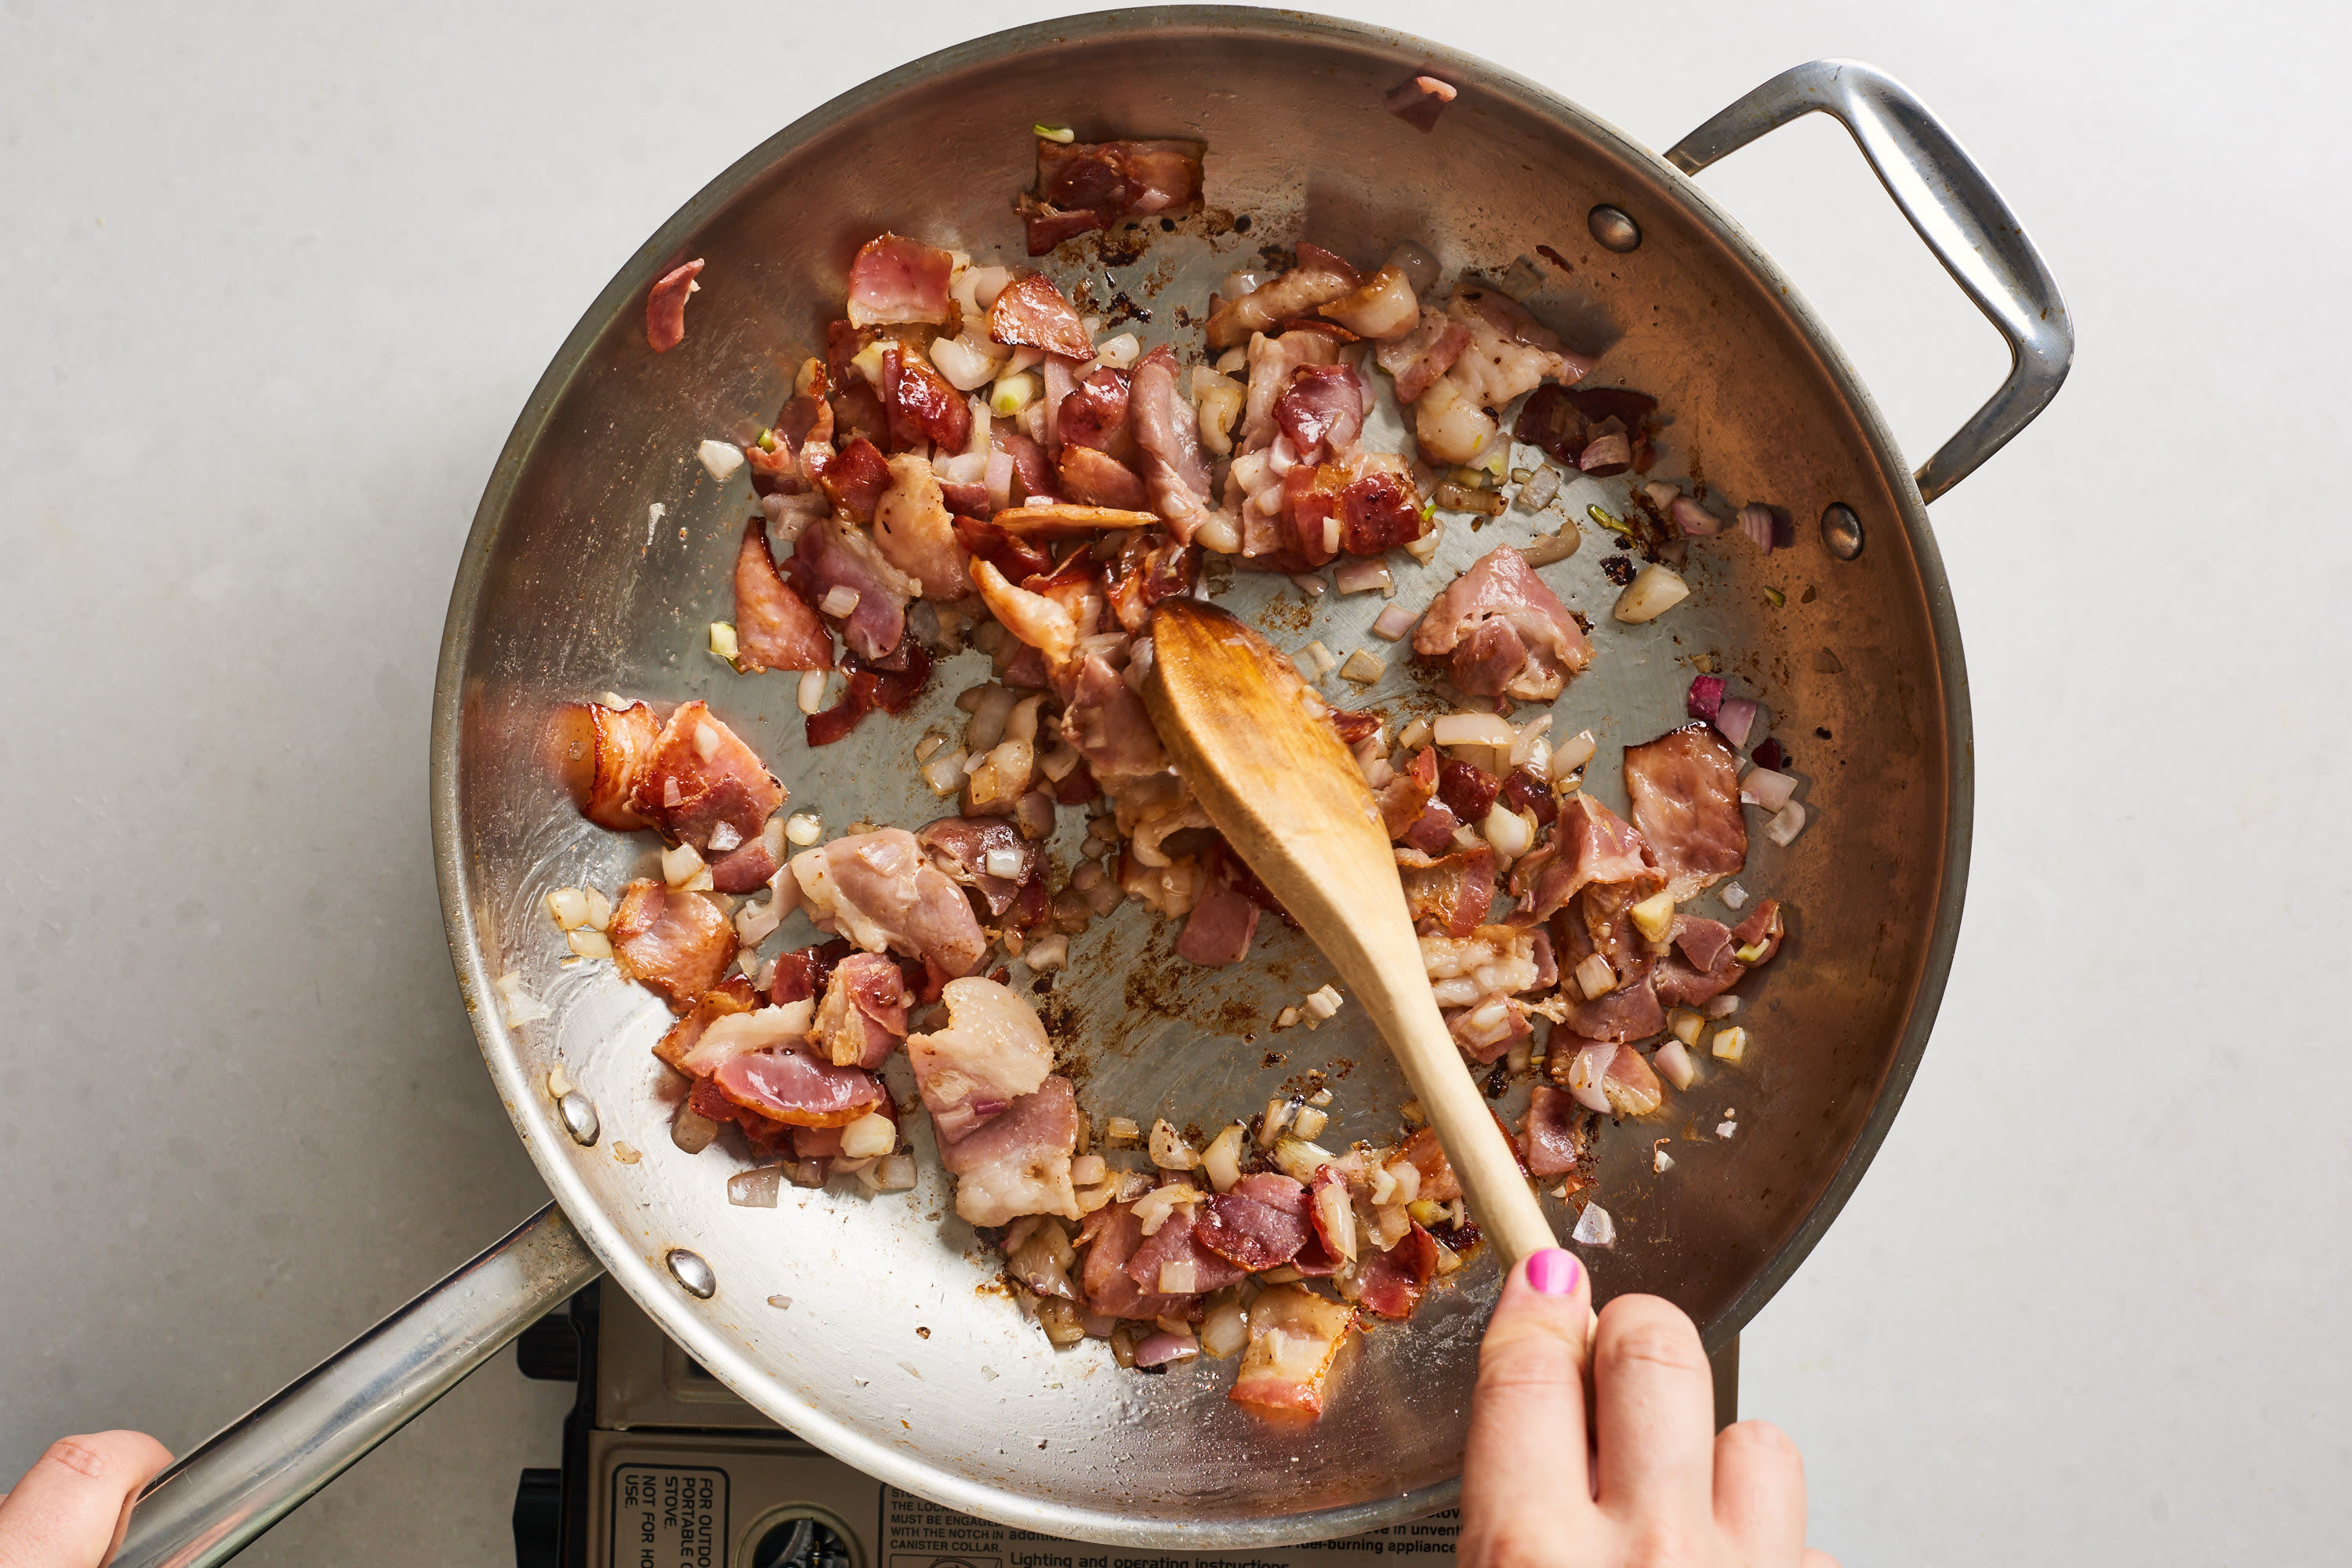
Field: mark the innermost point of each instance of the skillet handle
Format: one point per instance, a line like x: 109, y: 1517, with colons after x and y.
x: 1955, y: 209
x: 214, y: 1502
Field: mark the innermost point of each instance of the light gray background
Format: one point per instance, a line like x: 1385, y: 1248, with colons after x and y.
x: 279, y: 277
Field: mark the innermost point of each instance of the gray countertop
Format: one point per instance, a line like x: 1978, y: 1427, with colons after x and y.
x: 279, y: 282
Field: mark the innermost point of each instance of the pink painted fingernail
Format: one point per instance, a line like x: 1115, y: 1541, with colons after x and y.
x: 1553, y: 1271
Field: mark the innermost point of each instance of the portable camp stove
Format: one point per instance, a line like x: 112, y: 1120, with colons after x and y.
x: 664, y: 1467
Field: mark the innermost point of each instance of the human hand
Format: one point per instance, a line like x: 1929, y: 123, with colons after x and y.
x: 70, y: 1509
x: 1669, y: 1489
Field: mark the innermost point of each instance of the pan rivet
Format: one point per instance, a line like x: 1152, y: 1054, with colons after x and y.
x: 1841, y: 531
x: 1615, y: 229
x: 579, y: 1117
x: 689, y: 1270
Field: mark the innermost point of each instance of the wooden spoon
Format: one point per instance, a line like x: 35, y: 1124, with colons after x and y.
x: 1292, y: 801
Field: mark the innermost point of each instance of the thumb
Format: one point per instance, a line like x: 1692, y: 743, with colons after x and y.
x: 1526, y: 1417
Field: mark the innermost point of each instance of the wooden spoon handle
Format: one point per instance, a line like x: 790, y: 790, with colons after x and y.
x: 1506, y: 1207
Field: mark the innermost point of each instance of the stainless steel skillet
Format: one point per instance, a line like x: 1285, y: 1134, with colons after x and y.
x: 894, y: 1354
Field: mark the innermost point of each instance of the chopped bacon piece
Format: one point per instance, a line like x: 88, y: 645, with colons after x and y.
x: 1528, y: 791
x: 1439, y: 1184
x: 1168, y: 434
x: 990, y: 1051
x: 1148, y: 568
x: 676, y: 942
x: 735, y: 995
x: 1254, y: 1235
x: 1325, y: 404
x: 666, y: 306
x: 1272, y: 363
x: 1379, y: 509
x: 1111, y: 1235
x: 961, y: 846
x: 1419, y: 101
x: 1083, y: 185
x: 1508, y: 352
x: 1094, y: 414
x: 1177, y: 1241
x: 1680, y: 981
x: 1424, y: 353
x: 1098, y: 479
x: 1032, y: 312
x: 864, y: 1012
x: 1590, y: 845
x: 895, y: 279
x: 1684, y: 789
x: 1045, y: 623
x: 604, y: 753
x: 798, y: 1089
x: 1406, y: 796
x: 1220, y: 927
x: 856, y: 477
x: 871, y: 690
x: 729, y: 1034
x: 1108, y: 724
x: 1013, y: 556
x: 1507, y: 634
x: 833, y: 554
x: 703, y: 785
x: 747, y: 867
x: 880, y: 890
x: 1382, y: 309
x: 1431, y: 833
x: 1054, y: 520
x: 915, y: 533
x: 1564, y: 421
x: 1455, y: 891
x: 1294, y: 1336
x: 1468, y: 789
x: 1317, y: 279
x: 775, y: 627
x: 921, y: 405
x: 815, y: 1142
x: 1629, y: 1013
x: 1019, y: 1161
x: 803, y: 973
x: 1490, y: 1026
x: 1558, y: 1131
x: 1392, y: 1281
x: 1763, y: 927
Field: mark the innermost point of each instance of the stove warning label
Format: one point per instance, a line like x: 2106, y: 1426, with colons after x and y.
x: 665, y: 1517
x: 918, y: 1535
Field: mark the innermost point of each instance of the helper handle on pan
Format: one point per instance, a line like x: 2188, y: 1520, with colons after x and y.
x: 218, y: 1498
x: 1958, y: 213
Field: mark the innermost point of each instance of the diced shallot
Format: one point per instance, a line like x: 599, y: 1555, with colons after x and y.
x: 1786, y: 824
x: 1364, y: 574
x: 1764, y: 787
x: 1758, y: 523
x: 1393, y: 623
x: 1594, y: 1227
x: 1736, y: 718
x: 1693, y: 519
x: 1675, y: 1063
x: 1164, y: 1349
x: 1654, y: 591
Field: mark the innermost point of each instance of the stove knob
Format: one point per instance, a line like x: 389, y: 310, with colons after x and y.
x: 539, y: 1520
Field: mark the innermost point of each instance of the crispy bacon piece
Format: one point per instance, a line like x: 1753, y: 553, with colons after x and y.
x: 1506, y: 634
x: 1455, y: 891
x: 1439, y: 1184
x: 1106, y: 722
x: 734, y: 995
x: 1317, y: 279
x: 1294, y: 1336
x: 1762, y: 927
x: 775, y: 627
x: 1525, y: 790
x: 1085, y: 185
x: 1323, y: 409
x: 1148, y: 568
x: 1557, y: 1131
x: 1042, y: 521
x: 1219, y: 930
x: 1419, y: 103
x: 1273, y: 363
x: 1111, y: 1235
x: 1379, y: 507
x: 856, y: 477
x: 1167, y: 435
x: 1422, y: 354
x: 605, y: 753
x: 703, y: 785
x: 880, y: 890
x: 1096, y: 479
x: 666, y: 306
x: 1683, y: 790
x: 895, y: 280
x: 678, y: 944
x: 1019, y: 1161
x: 1254, y: 1235
x: 1406, y: 796
x: 915, y: 534
x: 1015, y: 557
x: 961, y: 846
x: 802, y: 974
x: 729, y: 1035
x: 1045, y: 624
x: 1030, y: 311
x: 1177, y: 1241
x: 1093, y: 413
x: 1392, y: 1281
x: 1467, y: 788
x: 1701, y: 966
x: 871, y: 690
x: 797, y: 1088
x: 864, y: 1012
x: 920, y: 404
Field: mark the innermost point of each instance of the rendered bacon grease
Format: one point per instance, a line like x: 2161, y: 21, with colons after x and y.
x: 971, y: 462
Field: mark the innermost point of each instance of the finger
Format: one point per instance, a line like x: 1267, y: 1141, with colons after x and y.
x: 1817, y: 1558
x: 1524, y: 1454
x: 70, y: 1509
x: 1654, y: 1411
x: 1759, y: 1491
